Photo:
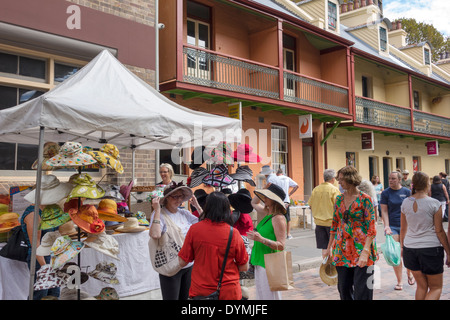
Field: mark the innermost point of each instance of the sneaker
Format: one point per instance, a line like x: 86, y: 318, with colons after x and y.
x: 289, y: 237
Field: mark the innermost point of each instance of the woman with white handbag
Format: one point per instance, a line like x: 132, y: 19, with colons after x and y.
x: 169, y: 225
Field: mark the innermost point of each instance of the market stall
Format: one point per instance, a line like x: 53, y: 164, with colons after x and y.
x: 106, y: 103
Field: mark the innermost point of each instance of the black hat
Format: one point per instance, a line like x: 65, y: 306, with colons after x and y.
x: 241, y: 201
x: 244, y: 173
x: 198, y: 157
x: 272, y: 192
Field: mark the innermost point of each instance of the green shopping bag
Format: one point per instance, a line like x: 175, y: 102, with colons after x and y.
x: 391, y: 251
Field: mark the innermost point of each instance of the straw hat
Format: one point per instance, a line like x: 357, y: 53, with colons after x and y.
x: 107, y: 210
x: 274, y: 193
x: 108, y: 155
x: 8, y: 221
x: 105, y: 272
x: 70, y: 155
x: 87, y: 219
x: 328, y: 272
x: 171, y: 188
x: 53, y: 216
x: 131, y: 225
x: 68, y: 229
x: 52, y: 191
x: 107, y: 293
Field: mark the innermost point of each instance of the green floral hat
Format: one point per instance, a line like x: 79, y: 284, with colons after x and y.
x: 53, y: 216
x: 85, y: 187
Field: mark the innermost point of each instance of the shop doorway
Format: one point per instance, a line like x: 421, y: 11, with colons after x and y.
x: 308, y: 167
x: 387, y: 169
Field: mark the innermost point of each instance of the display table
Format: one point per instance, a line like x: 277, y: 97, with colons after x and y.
x: 134, y: 270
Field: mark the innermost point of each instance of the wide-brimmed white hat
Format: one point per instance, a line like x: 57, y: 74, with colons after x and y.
x: 171, y: 188
x: 266, y: 170
x: 46, y: 243
x: 52, y: 191
x: 131, y: 225
x: 103, y: 243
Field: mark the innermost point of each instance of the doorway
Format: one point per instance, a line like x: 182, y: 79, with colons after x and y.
x: 387, y: 169
x: 373, y: 167
x: 308, y: 167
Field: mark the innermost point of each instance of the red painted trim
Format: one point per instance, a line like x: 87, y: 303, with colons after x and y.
x: 179, y: 40
x: 280, y: 59
x: 351, y: 83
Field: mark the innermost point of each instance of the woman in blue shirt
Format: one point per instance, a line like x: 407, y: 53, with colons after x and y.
x: 390, y: 203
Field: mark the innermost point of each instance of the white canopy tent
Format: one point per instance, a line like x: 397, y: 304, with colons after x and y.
x: 102, y: 103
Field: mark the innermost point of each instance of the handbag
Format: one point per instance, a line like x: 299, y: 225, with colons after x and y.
x: 164, y: 251
x: 279, y: 270
x: 16, y: 248
x: 215, y: 294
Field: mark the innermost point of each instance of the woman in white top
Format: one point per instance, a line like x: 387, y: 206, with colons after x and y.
x: 423, y: 239
x: 177, y: 286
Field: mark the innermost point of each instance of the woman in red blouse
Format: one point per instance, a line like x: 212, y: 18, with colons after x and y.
x: 206, y: 242
x: 352, y: 238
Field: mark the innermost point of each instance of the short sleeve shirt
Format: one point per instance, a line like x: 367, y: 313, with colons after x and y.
x: 394, y: 199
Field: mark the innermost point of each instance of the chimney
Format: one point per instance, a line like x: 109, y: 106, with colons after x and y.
x: 397, y: 36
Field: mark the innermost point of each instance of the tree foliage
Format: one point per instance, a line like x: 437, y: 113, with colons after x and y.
x: 420, y: 31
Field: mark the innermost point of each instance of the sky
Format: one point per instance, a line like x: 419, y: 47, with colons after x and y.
x: 434, y: 12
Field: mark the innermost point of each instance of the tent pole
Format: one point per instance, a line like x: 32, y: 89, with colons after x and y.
x: 133, y: 161
x: 37, y: 203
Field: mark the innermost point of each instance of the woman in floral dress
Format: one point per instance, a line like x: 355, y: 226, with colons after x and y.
x: 352, y: 238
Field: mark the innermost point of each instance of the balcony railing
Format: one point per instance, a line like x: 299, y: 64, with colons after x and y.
x: 377, y: 113
x: 207, y: 68
x: 431, y: 124
x: 315, y: 93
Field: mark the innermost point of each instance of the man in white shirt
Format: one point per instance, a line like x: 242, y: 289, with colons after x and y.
x: 286, y: 183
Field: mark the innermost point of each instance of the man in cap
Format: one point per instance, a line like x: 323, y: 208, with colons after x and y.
x: 405, y: 181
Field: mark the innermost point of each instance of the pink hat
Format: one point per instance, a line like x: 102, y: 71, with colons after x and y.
x: 244, y: 153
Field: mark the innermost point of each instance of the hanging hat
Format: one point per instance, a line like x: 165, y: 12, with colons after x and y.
x: 222, y: 154
x: 241, y: 201
x: 266, y: 170
x: 47, y: 242
x: 87, y: 219
x: 51, y: 149
x: 70, y: 155
x: 63, y: 273
x: 4, y: 208
x: 218, y: 177
x: 72, y: 294
x: 198, y: 157
x: 85, y: 187
x: 103, y: 243
x: 201, y: 196
x: 157, y: 193
x: 328, y: 272
x: 8, y: 221
x: 244, y: 173
x: 244, y: 153
x: 105, y: 272
x: 68, y: 229
x: 46, y: 278
x: 142, y: 219
x: 52, y: 191
x: 53, y: 216
x: 171, y: 188
x: 72, y: 204
x: 107, y: 210
x: 113, y: 192
x: 197, y: 177
x: 63, y: 250
x: 131, y: 226
x: 108, y: 155
x: 107, y: 293
x: 274, y: 193
x: 126, y: 190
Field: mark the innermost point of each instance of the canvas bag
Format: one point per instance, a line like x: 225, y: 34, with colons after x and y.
x: 16, y: 248
x: 279, y: 270
x: 164, y: 251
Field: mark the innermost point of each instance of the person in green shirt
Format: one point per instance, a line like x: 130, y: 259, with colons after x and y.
x: 321, y: 202
x: 269, y: 235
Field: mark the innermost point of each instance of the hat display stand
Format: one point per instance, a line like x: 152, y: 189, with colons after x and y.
x: 79, y: 166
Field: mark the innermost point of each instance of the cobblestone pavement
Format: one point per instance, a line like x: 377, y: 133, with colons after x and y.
x: 309, y: 286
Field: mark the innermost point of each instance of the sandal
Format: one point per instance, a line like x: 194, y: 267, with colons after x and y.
x: 411, y: 280
x: 398, y: 287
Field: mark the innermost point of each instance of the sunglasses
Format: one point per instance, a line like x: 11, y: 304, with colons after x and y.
x: 181, y: 196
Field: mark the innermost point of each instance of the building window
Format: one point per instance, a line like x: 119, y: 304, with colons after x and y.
x: 28, y: 74
x: 383, y: 39
x: 447, y: 166
x: 416, y: 100
x: 416, y: 164
x: 332, y: 15
x: 426, y: 53
x: 279, y: 148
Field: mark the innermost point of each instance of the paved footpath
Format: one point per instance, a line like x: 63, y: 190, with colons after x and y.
x: 309, y: 286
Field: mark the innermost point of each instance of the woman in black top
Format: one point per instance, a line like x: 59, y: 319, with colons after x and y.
x: 439, y: 192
